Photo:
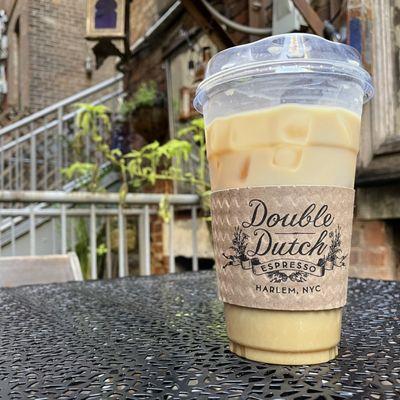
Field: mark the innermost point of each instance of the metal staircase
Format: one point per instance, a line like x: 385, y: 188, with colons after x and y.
x: 38, y: 216
x: 34, y: 149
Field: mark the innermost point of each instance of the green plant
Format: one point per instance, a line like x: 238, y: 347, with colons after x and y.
x: 145, y: 96
x: 138, y: 168
x: 145, y: 166
x: 155, y: 162
x: 88, y: 121
x: 82, y: 248
x: 82, y: 170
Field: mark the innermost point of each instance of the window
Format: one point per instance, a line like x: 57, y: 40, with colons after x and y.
x: 105, y: 18
x: 106, y: 14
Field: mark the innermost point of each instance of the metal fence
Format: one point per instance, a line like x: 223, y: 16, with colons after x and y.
x: 55, y: 211
x: 34, y: 149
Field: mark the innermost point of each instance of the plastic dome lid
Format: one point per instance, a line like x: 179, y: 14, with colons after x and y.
x: 284, y: 54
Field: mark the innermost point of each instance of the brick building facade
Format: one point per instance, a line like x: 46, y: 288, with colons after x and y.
x: 375, y: 247
x: 47, y: 52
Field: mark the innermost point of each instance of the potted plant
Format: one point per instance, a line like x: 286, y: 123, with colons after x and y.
x: 147, y: 112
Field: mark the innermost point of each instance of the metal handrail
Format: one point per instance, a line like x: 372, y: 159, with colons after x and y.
x: 97, y: 206
x: 42, y: 135
x: 54, y: 123
x: 95, y: 198
x: 63, y: 103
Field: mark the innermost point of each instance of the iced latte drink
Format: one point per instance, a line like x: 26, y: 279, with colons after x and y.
x: 291, y: 145
x: 282, y: 129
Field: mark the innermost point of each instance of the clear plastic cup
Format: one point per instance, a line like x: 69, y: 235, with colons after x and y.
x: 283, y: 111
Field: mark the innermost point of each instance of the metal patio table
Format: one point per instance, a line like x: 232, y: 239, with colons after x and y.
x: 164, y: 338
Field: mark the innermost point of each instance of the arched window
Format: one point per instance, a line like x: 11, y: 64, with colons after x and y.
x: 105, y: 18
x: 106, y: 14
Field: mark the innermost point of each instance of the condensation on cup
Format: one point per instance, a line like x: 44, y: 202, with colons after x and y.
x: 282, y: 122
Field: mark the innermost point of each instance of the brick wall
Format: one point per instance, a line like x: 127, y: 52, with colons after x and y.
x: 159, y: 261
x: 374, y: 252
x: 143, y: 14
x: 55, y: 52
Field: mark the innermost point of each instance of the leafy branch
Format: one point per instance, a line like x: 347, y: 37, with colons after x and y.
x: 138, y: 168
x: 145, y: 96
x: 90, y: 118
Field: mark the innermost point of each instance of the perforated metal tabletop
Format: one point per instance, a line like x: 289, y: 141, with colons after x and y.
x: 164, y: 338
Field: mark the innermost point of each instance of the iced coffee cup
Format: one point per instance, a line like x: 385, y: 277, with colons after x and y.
x: 282, y: 122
